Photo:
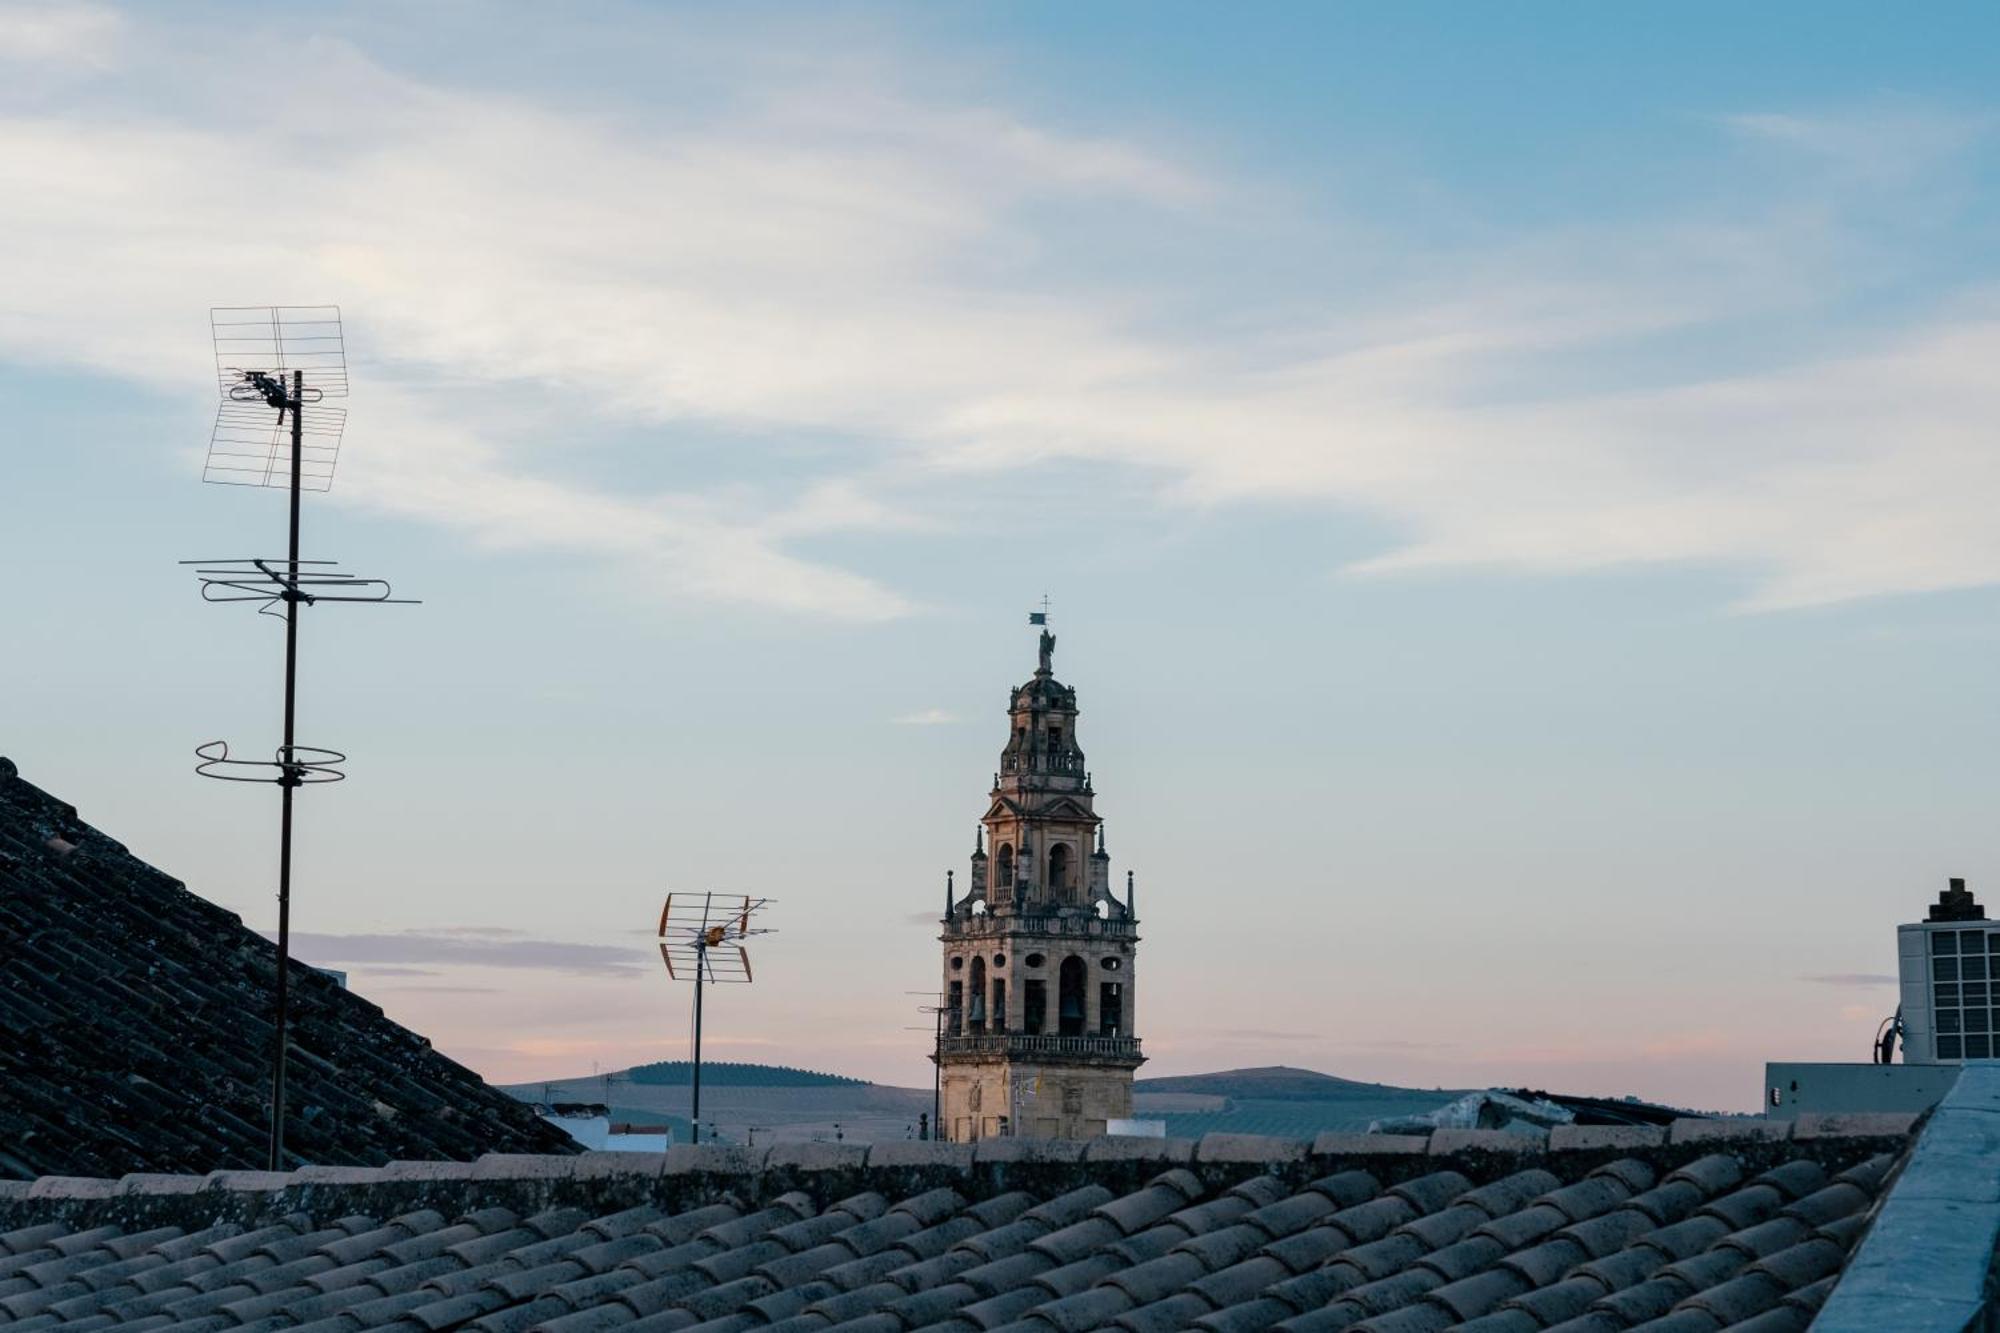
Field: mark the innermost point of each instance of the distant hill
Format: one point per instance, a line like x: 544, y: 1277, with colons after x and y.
x: 726, y: 1074
x: 1272, y: 1083
x: 774, y: 1103
x: 1275, y: 1099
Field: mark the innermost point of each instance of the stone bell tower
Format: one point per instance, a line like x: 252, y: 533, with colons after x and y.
x: 1038, y: 955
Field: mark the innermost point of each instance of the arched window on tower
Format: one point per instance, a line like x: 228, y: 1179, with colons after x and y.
x: 1059, y: 876
x: 1004, y: 868
x: 1070, y: 981
x: 975, y: 1016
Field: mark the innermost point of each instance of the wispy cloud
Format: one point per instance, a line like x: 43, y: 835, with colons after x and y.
x: 71, y: 32
x: 1882, y: 144
x: 927, y: 717
x: 1853, y: 979
x: 906, y: 281
x: 442, y: 948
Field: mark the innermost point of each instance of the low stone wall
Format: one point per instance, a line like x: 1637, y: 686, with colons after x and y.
x: 690, y: 1176
x: 1928, y: 1264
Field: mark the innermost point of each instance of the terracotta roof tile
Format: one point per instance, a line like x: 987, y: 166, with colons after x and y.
x: 141, y: 1009
x: 1552, y: 1241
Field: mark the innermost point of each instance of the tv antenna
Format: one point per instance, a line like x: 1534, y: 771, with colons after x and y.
x: 275, y: 368
x: 701, y: 941
x: 936, y: 1029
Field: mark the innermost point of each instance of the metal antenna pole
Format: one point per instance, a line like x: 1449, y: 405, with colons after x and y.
x: 282, y: 359
x: 700, y: 958
x: 288, y: 781
x: 937, y: 1081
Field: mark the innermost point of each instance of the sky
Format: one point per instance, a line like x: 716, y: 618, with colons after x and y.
x: 1514, y: 485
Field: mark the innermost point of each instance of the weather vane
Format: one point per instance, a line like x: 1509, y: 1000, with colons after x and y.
x: 1048, y: 644
x: 275, y: 368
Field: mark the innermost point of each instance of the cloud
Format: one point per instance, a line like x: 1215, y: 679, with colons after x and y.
x: 927, y: 717
x: 1882, y: 144
x: 862, y: 298
x: 1853, y: 979
x: 442, y: 948
x: 68, y: 33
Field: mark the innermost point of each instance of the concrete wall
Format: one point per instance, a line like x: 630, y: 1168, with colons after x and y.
x: 1791, y: 1088
x: 1927, y: 1263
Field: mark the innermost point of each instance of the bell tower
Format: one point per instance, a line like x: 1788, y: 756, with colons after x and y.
x: 1038, y: 955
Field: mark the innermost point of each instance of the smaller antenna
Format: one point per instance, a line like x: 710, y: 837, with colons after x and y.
x: 937, y: 1012
x: 701, y: 941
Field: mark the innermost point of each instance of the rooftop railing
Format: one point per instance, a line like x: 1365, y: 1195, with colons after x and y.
x: 1042, y: 1043
x: 1036, y: 922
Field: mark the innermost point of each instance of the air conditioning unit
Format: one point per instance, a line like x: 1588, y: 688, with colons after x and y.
x: 1949, y: 966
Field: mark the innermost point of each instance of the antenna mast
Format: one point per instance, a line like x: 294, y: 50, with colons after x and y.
x: 701, y: 940
x: 275, y: 367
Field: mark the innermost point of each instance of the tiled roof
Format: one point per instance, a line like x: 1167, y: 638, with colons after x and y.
x: 1626, y: 1229
x: 135, y: 1032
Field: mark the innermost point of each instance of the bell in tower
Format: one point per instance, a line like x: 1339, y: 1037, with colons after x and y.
x: 1039, y: 953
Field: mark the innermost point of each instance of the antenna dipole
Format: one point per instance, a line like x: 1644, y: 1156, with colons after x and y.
x: 275, y: 366
x: 701, y: 940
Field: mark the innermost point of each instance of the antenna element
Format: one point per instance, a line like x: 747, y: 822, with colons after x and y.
x: 701, y: 941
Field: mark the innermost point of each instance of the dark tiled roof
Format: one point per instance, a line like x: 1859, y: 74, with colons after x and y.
x: 134, y: 1029
x: 1744, y: 1234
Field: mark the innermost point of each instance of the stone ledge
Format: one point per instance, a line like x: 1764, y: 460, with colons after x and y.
x: 427, y: 1171
x: 1596, y: 1138
x: 816, y: 1156
x: 1948, y: 1131
x: 336, y: 1175
x: 158, y: 1184
x: 1250, y: 1148
x: 525, y: 1166
x: 1342, y: 1143
x: 1853, y: 1125
x: 1016, y: 1151
x: 920, y: 1153
x: 721, y: 1159
x: 1445, y: 1142
x: 1122, y: 1148
x: 72, y: 1187
x: 1716, y: 1131
x: 600, y: 1165
x: 265, y: 1182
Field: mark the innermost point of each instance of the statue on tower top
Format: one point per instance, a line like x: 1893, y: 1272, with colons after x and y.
x: 1041, y: 618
